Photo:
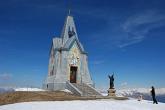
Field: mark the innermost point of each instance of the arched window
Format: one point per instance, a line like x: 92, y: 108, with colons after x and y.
x: 71, y: 32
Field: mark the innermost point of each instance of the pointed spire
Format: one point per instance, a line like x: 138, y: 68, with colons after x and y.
x: 69, y: 29
x: 69, y: 12
x: 69, y: 7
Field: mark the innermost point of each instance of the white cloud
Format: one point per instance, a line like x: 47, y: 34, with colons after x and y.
x: 139, y: 25
x: 123, y: 84
x: 5, y: 76
x: 146, y: 17
x: 131, y: 31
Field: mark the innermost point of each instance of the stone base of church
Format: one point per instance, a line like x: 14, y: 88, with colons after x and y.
x: 111, y: 92
x: 54, y: 86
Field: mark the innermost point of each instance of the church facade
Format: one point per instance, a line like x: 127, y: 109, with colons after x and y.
x: 68, y: 62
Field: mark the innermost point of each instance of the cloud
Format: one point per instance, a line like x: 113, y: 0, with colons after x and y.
x: 5, y: 76
x: 124, y: 84
x: 121, y: 32
x: 139, y: 25
x: 146, y: 17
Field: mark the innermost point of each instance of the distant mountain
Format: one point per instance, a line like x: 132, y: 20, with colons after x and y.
x: 4, y: 90
x: 159, y: 91
x: 136, y: 92
x: 7, y: 89
x: 28, y: 89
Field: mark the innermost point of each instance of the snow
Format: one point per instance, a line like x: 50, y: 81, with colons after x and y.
x: 159, y: 91
x: 66, y: 90
x: 138, y: 92
x: 104, y: 93
x: 3, y: 90
x: 106, y: 104
x: 37, y: 89
x: 28, y: 89
x: 135, y: 91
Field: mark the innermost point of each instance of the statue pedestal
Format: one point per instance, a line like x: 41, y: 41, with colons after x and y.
x: 111, y: 92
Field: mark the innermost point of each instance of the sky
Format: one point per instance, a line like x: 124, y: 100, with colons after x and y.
x: 124, y: 37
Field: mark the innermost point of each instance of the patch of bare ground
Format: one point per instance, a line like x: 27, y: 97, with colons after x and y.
x: 24, y: 96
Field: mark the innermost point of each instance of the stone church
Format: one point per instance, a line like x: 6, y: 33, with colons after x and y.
x: 68, y: 63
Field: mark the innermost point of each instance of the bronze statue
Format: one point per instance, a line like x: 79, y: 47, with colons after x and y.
x: 111, y: 81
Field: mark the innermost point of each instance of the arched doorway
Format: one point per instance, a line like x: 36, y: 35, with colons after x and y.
x: 73, y: 74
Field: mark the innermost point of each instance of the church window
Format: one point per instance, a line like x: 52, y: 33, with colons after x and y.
x: 71, y: 32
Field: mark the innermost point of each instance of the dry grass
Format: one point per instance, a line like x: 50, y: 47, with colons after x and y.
x: 24, y: 96
x: 15, y: 97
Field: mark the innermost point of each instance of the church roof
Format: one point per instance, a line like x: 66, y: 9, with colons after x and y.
x: 70, y: 42
x: 68, y: 36
x: 57, y: 43
x: 69, y: 29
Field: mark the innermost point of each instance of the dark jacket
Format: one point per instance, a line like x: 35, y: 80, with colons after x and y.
x: 153, y: 92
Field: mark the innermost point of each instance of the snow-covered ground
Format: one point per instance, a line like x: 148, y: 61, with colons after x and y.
x: 37, y: 89
x: 66, y: 90
x: 28, y: 89
x: 107, y: 104
x: 8, y: 89
x: 3, y: 90
x: 136, y: 92
x: 132, y: 91
x: 159, y: 91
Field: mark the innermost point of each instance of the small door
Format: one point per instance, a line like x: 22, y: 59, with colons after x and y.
x: 73, y: 73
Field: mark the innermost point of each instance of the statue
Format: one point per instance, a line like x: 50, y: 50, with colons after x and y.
x: 111, y: 90
x: 111, y: 81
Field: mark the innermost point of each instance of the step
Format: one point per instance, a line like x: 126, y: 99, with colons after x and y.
x: 86, y: 89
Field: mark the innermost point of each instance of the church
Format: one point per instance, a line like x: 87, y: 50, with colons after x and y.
x: 68, y: 63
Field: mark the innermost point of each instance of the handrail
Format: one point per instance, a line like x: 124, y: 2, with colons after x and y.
x: 73, y: 89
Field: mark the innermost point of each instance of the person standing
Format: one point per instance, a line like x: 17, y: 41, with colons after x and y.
x: 153, y: 95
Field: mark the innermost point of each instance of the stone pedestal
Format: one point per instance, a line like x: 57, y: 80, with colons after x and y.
x: 111, y: 92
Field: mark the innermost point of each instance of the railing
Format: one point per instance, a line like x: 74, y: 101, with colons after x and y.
x: 73, y: 89
x: 96, y: 92
x: 82, y: 89
x: 87, y: 90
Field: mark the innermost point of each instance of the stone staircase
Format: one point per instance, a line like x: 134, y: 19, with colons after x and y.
x: 86, y: 90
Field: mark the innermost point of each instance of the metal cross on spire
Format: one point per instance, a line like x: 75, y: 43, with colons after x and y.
x: 69, y: 12
x: 69, y: 7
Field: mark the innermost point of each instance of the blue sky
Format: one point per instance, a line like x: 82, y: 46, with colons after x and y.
x: 126, y: 37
